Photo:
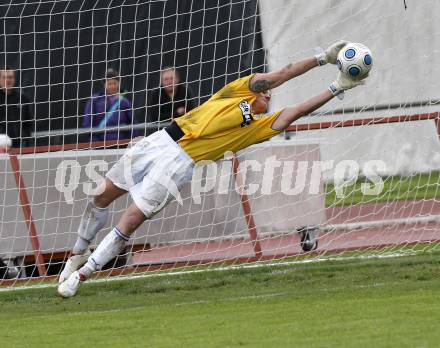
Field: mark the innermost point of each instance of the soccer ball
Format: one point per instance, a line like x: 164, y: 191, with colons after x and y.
x: 355, y: 60
x: 5, y: 141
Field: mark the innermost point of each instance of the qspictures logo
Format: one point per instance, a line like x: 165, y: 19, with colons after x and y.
x: 266, y: 177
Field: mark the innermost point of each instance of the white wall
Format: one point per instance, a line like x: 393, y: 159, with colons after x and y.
x: 405, y: 46
x: 216, y: 215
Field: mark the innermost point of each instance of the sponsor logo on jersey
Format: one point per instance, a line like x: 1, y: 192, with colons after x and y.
x: 246, y: 112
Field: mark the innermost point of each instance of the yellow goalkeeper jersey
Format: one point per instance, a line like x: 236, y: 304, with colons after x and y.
x: 225, y: 123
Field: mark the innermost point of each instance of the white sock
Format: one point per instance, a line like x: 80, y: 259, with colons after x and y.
x: 81, y: 246
x: 94, y: 218
x: 109, y: 248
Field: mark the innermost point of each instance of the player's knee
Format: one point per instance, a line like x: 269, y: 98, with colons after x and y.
x: 106, y: 193
x: 101, y: 200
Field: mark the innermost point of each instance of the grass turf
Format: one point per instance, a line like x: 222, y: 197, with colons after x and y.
x: 418, y: 186
x: 350, y: 303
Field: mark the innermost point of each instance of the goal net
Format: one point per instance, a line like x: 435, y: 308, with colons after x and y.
x: 361, y: 175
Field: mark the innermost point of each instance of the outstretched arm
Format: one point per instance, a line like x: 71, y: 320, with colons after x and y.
x: 266, y: 81
x: 291, y: 114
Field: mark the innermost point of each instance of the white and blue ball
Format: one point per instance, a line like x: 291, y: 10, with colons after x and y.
x: 355, y: 60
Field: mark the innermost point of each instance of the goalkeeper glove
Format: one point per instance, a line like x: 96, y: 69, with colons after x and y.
x: 344, y: 82
x: 331, y: 53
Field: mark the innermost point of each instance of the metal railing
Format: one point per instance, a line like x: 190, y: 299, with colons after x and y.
x: 78, y: 131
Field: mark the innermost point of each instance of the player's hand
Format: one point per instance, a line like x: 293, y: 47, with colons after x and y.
x: 344, y: 82
x: 331, y: 53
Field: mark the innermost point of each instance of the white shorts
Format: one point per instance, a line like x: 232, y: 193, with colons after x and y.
x: 153, y: 171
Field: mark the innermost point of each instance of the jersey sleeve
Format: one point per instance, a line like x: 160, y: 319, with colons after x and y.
x: 263, y: 127
x: 235, y: 89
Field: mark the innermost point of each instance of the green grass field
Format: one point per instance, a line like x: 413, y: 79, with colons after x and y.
x: 351, y: 303
x: 348, y: 303
x: 418, y: 186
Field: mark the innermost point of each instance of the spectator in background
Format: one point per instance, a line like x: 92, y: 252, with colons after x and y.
x: 16, y: 118
x: 108, y: 108
x: 171, y: 100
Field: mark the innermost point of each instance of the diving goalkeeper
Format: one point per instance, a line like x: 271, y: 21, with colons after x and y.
x: 156, y: 167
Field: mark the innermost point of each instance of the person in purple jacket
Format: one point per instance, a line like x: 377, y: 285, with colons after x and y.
x: 109, y: 109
